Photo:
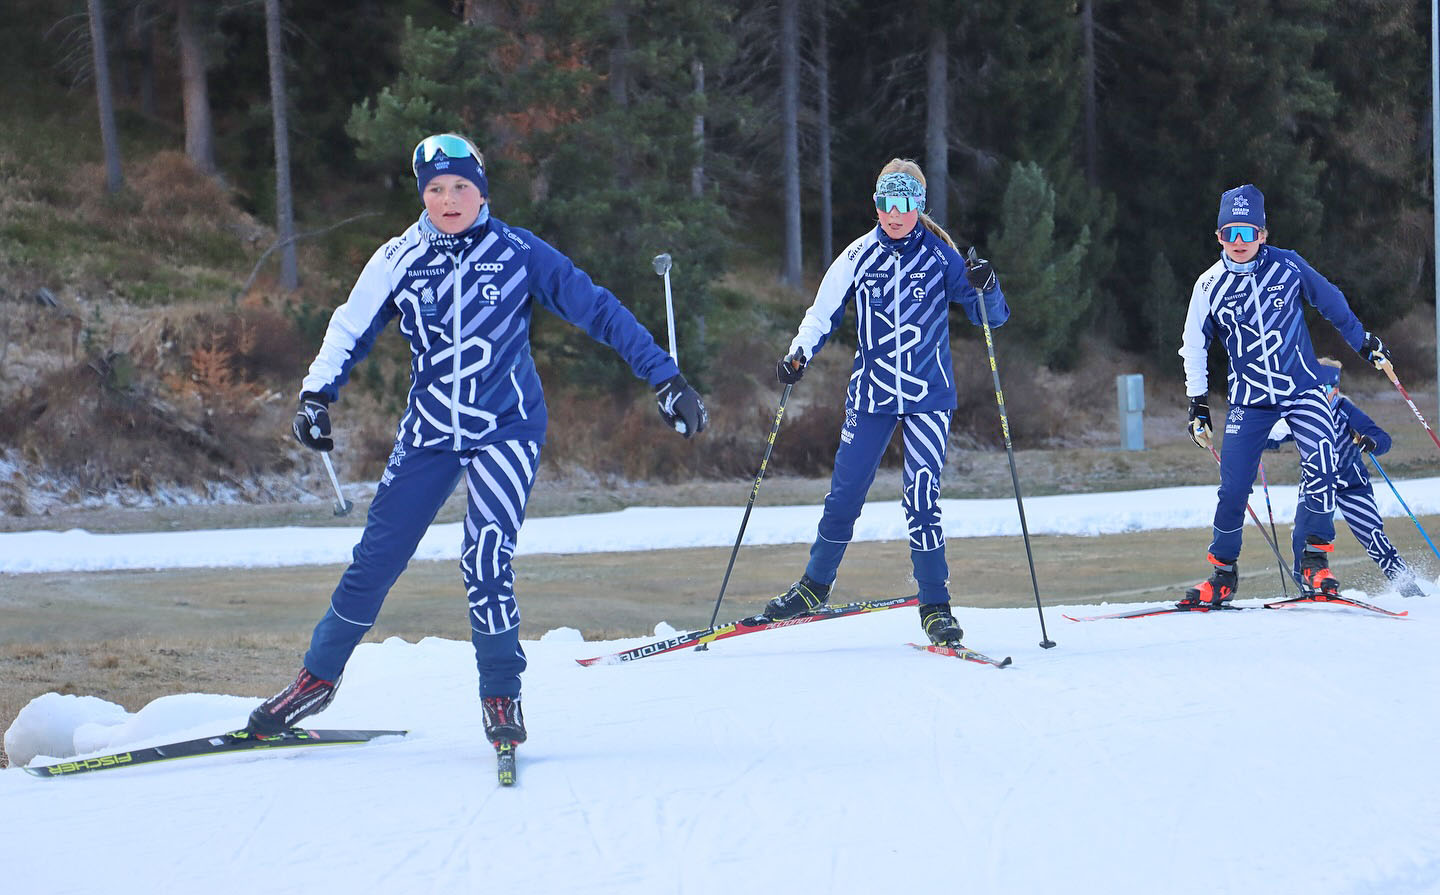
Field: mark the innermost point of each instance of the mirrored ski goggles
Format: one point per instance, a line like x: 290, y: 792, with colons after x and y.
x: 1239, y: 233
x: 448, y: 144
x: 902, y: 204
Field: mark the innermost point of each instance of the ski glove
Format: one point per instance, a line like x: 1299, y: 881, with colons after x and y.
x: 1200, y: 425
x: 681, y: 407
x: 312, y: 422
x: 791, y: 367
x: 1367, y: 444
x: 1375, y: 351
x: 979, y: 272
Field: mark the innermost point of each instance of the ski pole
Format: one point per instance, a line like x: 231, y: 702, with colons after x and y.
x: 1390, y: 372
x: 1045, y: 641
x: 1403, y: 504
x: 754, y: 491
x: 1271, y: 510
x: 342, y: 506
x: 661, y: 263
x: 1258, y: 524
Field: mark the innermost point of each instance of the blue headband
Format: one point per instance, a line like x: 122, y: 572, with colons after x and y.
x: 448, y: 154
x: 898, y: 183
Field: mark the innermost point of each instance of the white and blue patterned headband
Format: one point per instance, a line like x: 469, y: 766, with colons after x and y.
x: 900, y: 184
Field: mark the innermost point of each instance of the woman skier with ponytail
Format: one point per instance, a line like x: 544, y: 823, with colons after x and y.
x: 902, y: 277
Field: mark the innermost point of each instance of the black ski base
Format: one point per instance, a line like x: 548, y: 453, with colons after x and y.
x: 235, y: 741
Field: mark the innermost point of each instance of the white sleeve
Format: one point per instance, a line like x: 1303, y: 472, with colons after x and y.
x: 834, y: 290
x: 350, y: 321
x: 1195, y: 343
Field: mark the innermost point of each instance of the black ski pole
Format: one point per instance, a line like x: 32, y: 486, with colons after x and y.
x: 764, y: 461
x: 1045, y: 641
x: 1271, y: 510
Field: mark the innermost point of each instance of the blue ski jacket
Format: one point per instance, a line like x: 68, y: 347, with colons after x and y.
x: 1258, y: 315
x: 902, y: 289
x: 464, y: 303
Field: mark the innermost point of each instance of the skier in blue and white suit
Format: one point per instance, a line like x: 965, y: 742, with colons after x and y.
x: 1252, y: 300
x: 462, y: 285
x: 902, y: 279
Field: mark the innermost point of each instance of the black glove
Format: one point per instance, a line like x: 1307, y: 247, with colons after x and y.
x: 1367, y: 444
x: 1200, y: 426
x: 1374, y: 350
x: 979, y: 272
x: 681, y: 406
x: 791, y: 367
x: 312, y: 422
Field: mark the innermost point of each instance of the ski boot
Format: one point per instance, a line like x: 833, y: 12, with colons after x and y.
x: 505, y: 729
x: 804, y: 597
x: 504, y: 722
x: 1316, y: 580
x: 1215, y: 592
x: 939, y: 625
x: 307, y: 695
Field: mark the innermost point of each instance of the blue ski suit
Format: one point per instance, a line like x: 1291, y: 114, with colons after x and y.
x: 902, y: 290
x: 475, y: 410
x: 1256, y: 310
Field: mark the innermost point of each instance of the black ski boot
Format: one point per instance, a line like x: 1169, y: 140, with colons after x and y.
x: 940, y: 626
x: 804, y: 597
x: 307, y: 696
x: 504, y: 724
x: 1316, y: 579
x: 1216, y: 591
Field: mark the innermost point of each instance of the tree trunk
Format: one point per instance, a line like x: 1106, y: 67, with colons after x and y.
x: 791, y: 275
x: 284, y: 213
x: 697, y: 172
x: 620, y: 84
x: 109, y: 135
x: 937, y: 128
x: 1087, y: 26
x: 195, y: 91
x: 822, y: 95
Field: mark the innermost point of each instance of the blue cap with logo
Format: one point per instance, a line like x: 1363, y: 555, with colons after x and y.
x: 1242, y: 205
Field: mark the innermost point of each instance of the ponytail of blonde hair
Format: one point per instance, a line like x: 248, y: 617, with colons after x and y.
x: 909, y: 166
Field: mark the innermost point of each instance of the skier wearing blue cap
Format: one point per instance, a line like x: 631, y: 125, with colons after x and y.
x: 902, y: 277
x: 1355, y: 433
x: 462, y: 285
x: 1253, y: 300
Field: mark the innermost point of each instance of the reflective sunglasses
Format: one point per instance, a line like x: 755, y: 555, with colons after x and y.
x: 1240, y: 233
x: 448, y: 145
x: 902, y: 204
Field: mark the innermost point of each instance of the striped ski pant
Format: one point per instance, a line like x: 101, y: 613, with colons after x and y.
x: 863, y: 440
x: 1356, y: 499
x: 415, y: 485
x: 1246, y: 430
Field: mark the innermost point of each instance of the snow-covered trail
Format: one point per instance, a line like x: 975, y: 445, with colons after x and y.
x: 1275, y: 751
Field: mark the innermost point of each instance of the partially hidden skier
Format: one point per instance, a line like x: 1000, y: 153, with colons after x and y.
x: 462, y: 285
x: 902, y: 278
x: 1252, y: 299
x: 1355, y: 434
